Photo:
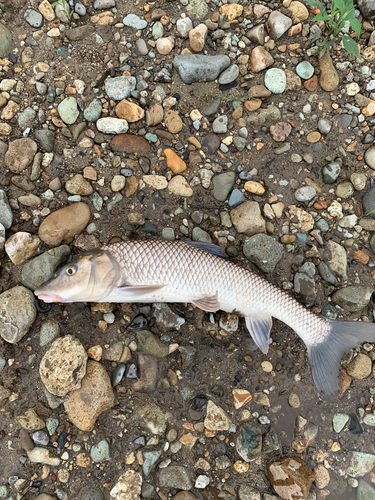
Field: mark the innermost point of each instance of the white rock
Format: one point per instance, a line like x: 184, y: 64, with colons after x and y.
x: 112, y: 125
x: 184, y: 26
x: 118, y: 183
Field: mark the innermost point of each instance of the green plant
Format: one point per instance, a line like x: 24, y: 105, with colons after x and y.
x: 341, y: 12
x: 64, y: 5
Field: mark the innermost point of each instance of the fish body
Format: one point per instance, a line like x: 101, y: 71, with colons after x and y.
x: 160, y: 271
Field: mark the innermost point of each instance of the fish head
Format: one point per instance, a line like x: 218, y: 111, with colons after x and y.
x: 89, y: 278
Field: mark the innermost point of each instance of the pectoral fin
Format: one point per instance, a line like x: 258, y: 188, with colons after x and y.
x: 209, y: 304
x: 138, y: 290
x: 259, y: 326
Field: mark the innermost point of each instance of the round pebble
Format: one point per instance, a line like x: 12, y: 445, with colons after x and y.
x: 275, y: 80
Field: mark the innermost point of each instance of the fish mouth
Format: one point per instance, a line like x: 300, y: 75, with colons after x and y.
x: 48, y: 298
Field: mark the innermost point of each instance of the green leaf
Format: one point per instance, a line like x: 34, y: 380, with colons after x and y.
x: 323, y: 16
x: 316, y: 3
x: 356, y: 25
x: 337, y: 4
x: 350, y: 46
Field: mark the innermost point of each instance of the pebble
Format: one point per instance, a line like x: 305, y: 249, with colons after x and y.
x: 275, y: 80
x: 220, y: 125
x: 305, y: 70
x: 339, y: 421
x: 17, y: 313
x: 93, y: 111
x: 249, y: 442
x: 129, y: 111
x: 130, y: 144
x: 20, y: 154
x: 247, y: 218
x: 353, y: 298
x: 120, y: 87
x: 278, y: 23
x: 112, y: 126
x: 43, y: 456
x: 305, y: 193
x: 152, y: 418
x: 68, y: 110
x: 324, y: 126
x: 180, y: 187
x: 263, y: 251
x: 360, y: 463
x: 100, y: 452
x: 5, y: 40
x: 128, y: 486
x: 322, y: 477
x: 94, y: 396
x: 329, y: 79
x: 290, y: 475
x: 61, y: 226
x: 6, y: 214
x: 370, y: 157
x: 174, y: 162
x: 261, y: 59
x: 135, y: 22
x: 34, y: 18
x: 200, y: 68
x: 360, y: 366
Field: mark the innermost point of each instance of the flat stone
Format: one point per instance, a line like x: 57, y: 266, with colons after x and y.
x: 304, y: 69
x: 280, y: 131
x: 79, y: 185
x: 212, y: 142
x: 46, y: 139
x: 223, y: 184
x: 353, y: 298
x: 153, y: 418
x: 264, y: 251
x: 220, y: 125
x: 94, y: 396
x: 135, y: 22
x: 20, y: 246
x: 260, y: 59
x: 17, y: 313
x: 275, y: 80
x: 43, y: 456
x: 31, y: 421
x: 150, y: 344
x: 247, y: 218
x: 197, y: 10
x: 93, y: 111
x: 278, y: 24
x: 111, y: 125
x: 42, y: 268
x: 20, y: 154
x: 249, y: 442
x: 216, y: 418
x: 80, y: 33
x: 200, y: 68
x: 359, y: 463
x: 5, y: 40
x: 130, y: 144
x: 34, y: 18
x: 100, y: 452
x: 175, y: 477
x: 291, y: 478
x: 6, y: 215
x: 329, y: 79
x: 61, y: 226
x: 120, y: 87
x: 360, y: 367
x: 68, y: 110
x: 128, y: 486
x: 179, y: 186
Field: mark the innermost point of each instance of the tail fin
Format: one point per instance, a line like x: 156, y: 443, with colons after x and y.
x: 326, y: 357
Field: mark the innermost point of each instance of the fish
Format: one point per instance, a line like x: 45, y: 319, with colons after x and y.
x: 191, y: 272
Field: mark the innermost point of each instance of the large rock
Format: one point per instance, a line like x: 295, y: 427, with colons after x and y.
x: 93, y: 398
x: 130, y: 144
x: 20, y: 154
x: 329, y: 78
x: 291, y: 478
x: 200, y: 68
x: 353, y: 298
x: 216, y: 418
x: 61, y: 226
x: 264, y: 251
x: 359, y: 463
x: 128, y: 486
x: 42, y: 268
x: 367, y: 8
x: 176, y: 477
x: 17, y: 313
x: 152, y: 418
x: 63, y: 366
x: 20, y: 246
x: 5, y: 40
x: 247, y: 218
x: 249, y: 442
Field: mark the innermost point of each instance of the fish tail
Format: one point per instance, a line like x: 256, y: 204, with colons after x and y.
x: 325, y: 357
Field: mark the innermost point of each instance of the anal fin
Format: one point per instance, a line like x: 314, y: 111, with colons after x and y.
x: 138, y: 290
x: 209, y: 304
x: 259, y: 325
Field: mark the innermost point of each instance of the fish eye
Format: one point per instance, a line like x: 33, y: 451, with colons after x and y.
x: 71, y: 270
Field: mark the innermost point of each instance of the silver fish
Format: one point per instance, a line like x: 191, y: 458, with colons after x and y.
x: 160, y: 271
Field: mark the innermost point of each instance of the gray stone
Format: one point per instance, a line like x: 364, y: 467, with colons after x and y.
x: 48, y: 332
x: 367, y: 8
x: 157, y: 30
x: 3, y: 150
x: 305, y: 193
x: 104, y: 4
x: 120, y: 87
x: 257, y: 34
x: 339, y: 421
x: 135, y: 22
x: 140, y: 47
x: 152, y: 418
x: 5, y: 40
x: 345, y: 190
x: 359, y: 463
x: 305, y: 70
x: 331, y: 172
x: 93, y: 111
x: 248, y: 219
x: 68, y: 110
x: 223, y: 184
x: 46, y: 139
x: 246, y: 492
x: 324, y: 126
x: 197, y: 10
x: 353, y: 298
x: 370, y: 157
x: 111, y: 125
x: 150, y: 344
x: 199, y: 235
x: 264, y: 251
x: 249, y: 442
x: 148, y: 373
x: 100, y: 452
x: 278, y: 24
x: 79, y: 9
x: 304, y: 287
x: 369, y: 203
x: 175, y: 476
x: 184, y: 26
x: 6, y: 214
x: 17, y: 313
x: 365, y: 491
x: 220, y: 125
x: 236, y: 197
x: 91, y: 493
x: 229, y: 75
x: 149, y: 460
x: 34, y: 18
x: 275, y: 80
x: 26, y: 118
x: 76, y: 34
x: 212, y: 108
x: 187, y: 355
x: 147, y: 490
x: 346, y: 120
x: 165, y: 317
x: 326, y: 273
x: 200, y: 68
x: 42, y: 268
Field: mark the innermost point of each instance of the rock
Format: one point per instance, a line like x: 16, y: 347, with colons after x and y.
x: 291, y: 478
x: 46, y: 139
x: 197, y: 10
x: 358, y: 180
x: 353, y: 298
x: 173, y: 121
x: 367, y: 8
x: 6, y: 215
x: 216, y: 418
x: 31, y: 421
x: 79, y: 185
x: 10, y: 110
x: 152, y: 418
x: 140, y: 47
x: 275, y: 80
x: 46, y: 10
x: 339, y: 421
x: 118, y: 183
x: 179, y: 186
x: 76, y: 34
x: 305, y: 70
x: 2, y: 237
x: 370, y: 157
x: 229, y: 75
x: 299, y: 11
x: 260, y: 59
x: 200, y: 68
x: 94, y: 396
x: 369, y: 203
x: 321, y: 477
x: 20, y: 154
x: 249, y: 442
x: 331, y: 172
x: 48, y: 332
x: 197, y: 37
x: 360, y: 463
x: 329, y: 79
x: 247, y: 218
x: 345, y: 190
x: 223, y: 184
x: 278, y: 24
x: 104, y: 4
x: 61, y: 226
x: 100, y: 452
x: 148, y: 377
x: 93, y: 111
x: 165, y: 317
x: 128, y: 486
x: 5, y: 40
x: 154, y: 115
x: 112, y: 126
x: 212, y: 142
x: 129, y: 111
x: 305, y: 193
x: 130, y: 144
x: 165, y: 45
x: 68, y: 110
x: 174, y: 162
x: 90, y: 493
x: 20, y: 247
x: 17, y: 313
x: 25, y: 439
x: 280, y: 131
x: 120, y: 87
x: 337, y: 262
x: 150, y: 344
x: 324, y: 126
x: 360, y: 367
x: 63, y: 366
x: 34, y: 18
x: 43, y: 456
x: 246, y: 492
x: 231, y: 11
x: 133, y: 21
x: 176, y: 477
x: 264, y: 251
